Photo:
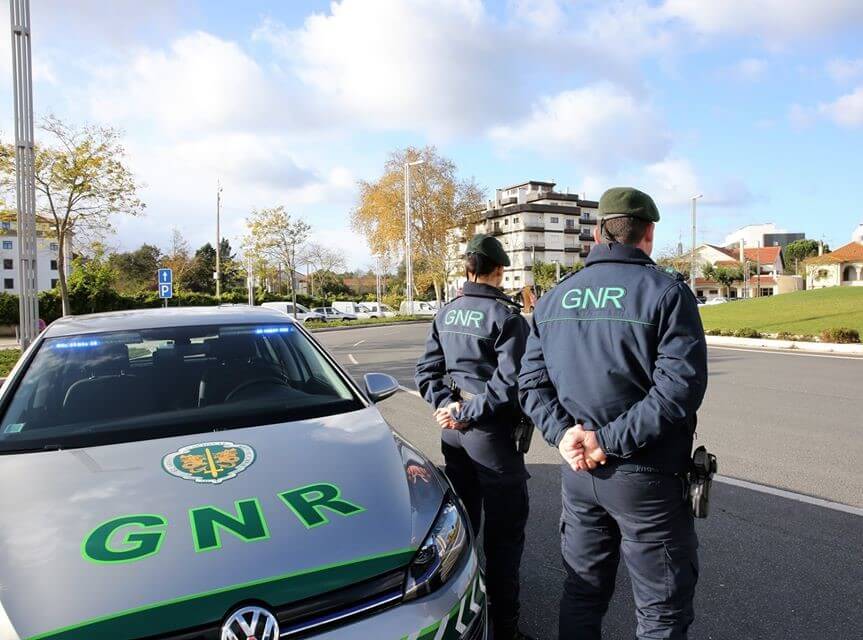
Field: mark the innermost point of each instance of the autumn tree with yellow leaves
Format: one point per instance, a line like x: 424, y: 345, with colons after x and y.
x: 440, y: 201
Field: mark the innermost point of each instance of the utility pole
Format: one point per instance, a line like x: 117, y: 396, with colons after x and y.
x: 22, y: 75
x: 692, y: 258
x: 378, y: 282
x: 251, y: 283
x: 218, y: 274
x: 409, y: 266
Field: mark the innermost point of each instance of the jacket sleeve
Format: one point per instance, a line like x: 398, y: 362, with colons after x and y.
x: 430, y: 372
x: 501, y: 391
x: 679, y: 380
x: 537, y: 394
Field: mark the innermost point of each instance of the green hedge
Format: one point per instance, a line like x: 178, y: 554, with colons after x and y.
x: 51, y: 308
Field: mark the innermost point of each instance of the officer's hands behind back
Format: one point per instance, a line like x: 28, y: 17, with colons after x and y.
x: 580, y: 449
x: 445, y: 419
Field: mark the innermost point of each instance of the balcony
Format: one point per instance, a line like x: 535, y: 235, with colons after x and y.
x: 534, y: 226
x: 584, y: 252
x: 587, y: 220
x: 570, y: 229
x: 572, y: 249
x: 587, y: 237
x: 497, y: 231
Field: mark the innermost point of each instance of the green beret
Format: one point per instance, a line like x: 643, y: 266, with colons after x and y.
x: 488, y: 246
x: 620, y: 202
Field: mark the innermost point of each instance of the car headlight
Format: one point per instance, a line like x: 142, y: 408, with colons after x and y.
x: 440, y: 554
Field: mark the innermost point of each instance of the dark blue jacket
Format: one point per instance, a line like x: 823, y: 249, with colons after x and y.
x: 477, y: 339
x: 619, y: 347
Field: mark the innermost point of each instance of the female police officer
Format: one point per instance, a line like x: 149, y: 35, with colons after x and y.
x: 477, y: 341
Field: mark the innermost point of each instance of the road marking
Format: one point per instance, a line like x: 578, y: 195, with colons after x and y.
x: 790, y: 495
x: 413, y: 392
x: 788, y: 352
x: 352, y: 359
x: 356, y: 344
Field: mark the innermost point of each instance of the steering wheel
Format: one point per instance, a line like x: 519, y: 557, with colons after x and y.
x: 271, y: 380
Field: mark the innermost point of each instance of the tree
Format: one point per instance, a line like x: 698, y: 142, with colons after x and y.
x: 198, y: 276
x: 545, y: 273
x: 82, y: 184
x: 796, y: 252
x: 136, y: 270
x: 322, y: 260
x: 440, y: 201
x: 177, y: 257
x: 277, y: 238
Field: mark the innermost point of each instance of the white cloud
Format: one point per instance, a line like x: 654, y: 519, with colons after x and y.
x: 749, y: 69
x: 598, y: 126
x: 846, y: 111
x: 845, y: 69
x: 775, y: 20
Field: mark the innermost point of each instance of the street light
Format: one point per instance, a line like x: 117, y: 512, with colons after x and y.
x: 692, y: 259
x: 409, y: 266
x: 218, y: 274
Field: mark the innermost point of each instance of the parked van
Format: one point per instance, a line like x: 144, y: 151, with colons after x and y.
x: 420, y: 308
x: 303, y: 313
x: 374, y: 310
x: 348, y: 307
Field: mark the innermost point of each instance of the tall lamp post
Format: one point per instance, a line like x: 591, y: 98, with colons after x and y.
x: 692, y: 258
x: 218, y: 274
x: 409, y: 265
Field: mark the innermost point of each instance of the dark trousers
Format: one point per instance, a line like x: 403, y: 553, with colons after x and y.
x: 644, y: 516
x: 503, y: 498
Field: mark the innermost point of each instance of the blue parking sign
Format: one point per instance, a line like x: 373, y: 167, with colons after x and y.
x: 166, y: 283
x: 166, y: 276
x: 166, y: 290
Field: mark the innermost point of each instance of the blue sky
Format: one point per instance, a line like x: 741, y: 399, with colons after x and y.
x: 758, y: 104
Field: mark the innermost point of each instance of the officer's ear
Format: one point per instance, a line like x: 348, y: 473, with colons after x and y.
x: 597, y: 234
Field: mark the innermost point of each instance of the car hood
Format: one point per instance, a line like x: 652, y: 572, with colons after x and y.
x: 52, y: 587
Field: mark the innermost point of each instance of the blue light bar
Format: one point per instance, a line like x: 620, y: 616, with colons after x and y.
x: 285, y: 328
x: 77, y: 344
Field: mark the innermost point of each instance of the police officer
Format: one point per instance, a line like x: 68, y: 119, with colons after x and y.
x: 468, y: 373
x: 614, y: 372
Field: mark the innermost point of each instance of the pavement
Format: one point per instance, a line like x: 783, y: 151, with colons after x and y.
x: 772, y: 567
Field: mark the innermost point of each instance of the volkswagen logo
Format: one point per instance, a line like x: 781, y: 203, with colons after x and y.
x: 251, y: 623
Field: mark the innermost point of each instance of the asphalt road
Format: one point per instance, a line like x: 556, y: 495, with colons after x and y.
x: 771, y: 567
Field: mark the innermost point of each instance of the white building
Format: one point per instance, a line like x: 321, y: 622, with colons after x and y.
x: 840, y: 268
x: 46, y: 255
x: 764, y: 266
x: 535, y: 224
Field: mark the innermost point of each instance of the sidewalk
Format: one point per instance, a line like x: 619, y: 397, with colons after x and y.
x: 786, y: 345
x: 8, y: 342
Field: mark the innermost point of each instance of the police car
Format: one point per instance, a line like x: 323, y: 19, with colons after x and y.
x: 212, y: 474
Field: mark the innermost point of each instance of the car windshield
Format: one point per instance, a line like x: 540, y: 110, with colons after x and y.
x: 112, y: 387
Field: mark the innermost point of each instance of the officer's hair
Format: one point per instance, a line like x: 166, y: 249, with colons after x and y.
x: 625, y: 230
x: 478, y: 265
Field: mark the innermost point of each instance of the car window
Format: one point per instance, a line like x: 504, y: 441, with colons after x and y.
x: 112, y: 387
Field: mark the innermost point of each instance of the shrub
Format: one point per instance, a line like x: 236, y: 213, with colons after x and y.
x: 785, y: 335
x: 713, y: 332
x: 747, y: 332
x: 841, y: 335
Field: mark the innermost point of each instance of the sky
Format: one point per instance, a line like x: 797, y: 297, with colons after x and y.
x: 756, y: 104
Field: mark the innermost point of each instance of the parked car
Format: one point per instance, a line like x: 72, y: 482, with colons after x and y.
x: 303, y: 313
x: 420, y: 308
x: 374, y: 310
x: 331, y: 313
x: 208, y: 472
x: 716, y: 300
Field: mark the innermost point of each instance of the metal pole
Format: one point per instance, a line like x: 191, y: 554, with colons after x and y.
x: 218, y: 242
x: 409, y: 271
x: 251, y: 283
x: 692, y: 257
x: 22, y: 75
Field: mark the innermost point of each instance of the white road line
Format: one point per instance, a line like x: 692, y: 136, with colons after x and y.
x: 788, y: 352
x: 356, y: 344
x: 413, y: 392
x: 790, y: 495
x: 352, y: 359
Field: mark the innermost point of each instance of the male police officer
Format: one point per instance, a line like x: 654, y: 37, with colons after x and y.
x: 477, y: 341
x: 614, y: 372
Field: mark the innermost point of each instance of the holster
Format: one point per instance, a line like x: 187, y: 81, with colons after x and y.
x: 701, y: 471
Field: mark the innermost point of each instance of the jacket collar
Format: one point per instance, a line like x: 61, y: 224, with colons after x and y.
x: 470, y: 288
x: 613, y: 252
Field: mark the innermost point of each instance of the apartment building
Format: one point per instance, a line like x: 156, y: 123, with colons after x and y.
x: 47, y: 249
x: 534, y: 223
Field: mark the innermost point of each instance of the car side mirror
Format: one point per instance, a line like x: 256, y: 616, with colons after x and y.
x: 380, y: 386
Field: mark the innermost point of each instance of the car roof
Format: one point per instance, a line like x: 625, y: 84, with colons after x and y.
x: 138, y: 319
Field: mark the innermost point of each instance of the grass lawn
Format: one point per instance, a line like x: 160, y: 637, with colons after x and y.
x: 8, y: 358
x: 800, y: 313
x: 361, y: 323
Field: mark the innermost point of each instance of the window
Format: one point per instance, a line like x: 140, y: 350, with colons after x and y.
x: 8, y: 263
x: 54, y: 246
x: 53, y: 265
x: 54, y: 283
x: 555, y: 219
x: 251, y: 375
x: 8, y: 283
x: 6, y: 226
x: 515, y: 220
x: 517, y: 278
x: 7, y: 244
x: 506, y: 221
x: 570, y: 223
x: 767, y: 292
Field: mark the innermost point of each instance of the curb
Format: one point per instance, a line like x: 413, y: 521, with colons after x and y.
x: 768, y: 344
x: 368, y: 326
